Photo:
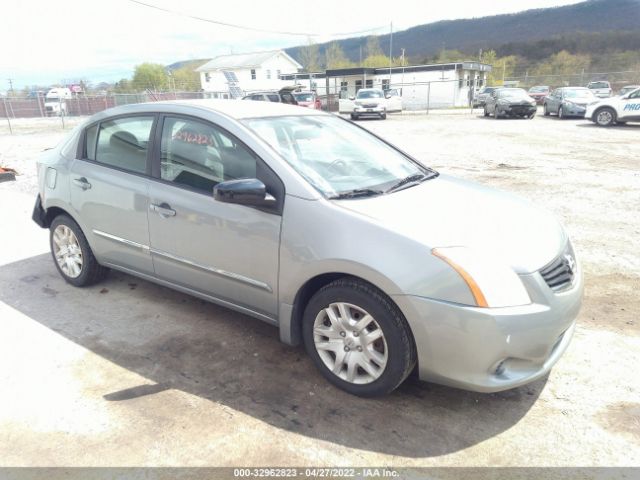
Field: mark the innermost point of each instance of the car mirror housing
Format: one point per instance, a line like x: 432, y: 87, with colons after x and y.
x: 352, y: 98
x: 247, y: 191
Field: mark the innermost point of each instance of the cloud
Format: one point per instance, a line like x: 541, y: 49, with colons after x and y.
x: 43, y: 42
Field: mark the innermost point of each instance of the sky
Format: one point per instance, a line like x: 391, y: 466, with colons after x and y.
x: 44, y: 42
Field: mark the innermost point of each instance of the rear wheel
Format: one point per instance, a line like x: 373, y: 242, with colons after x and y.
x: 72, y: 255
x: 605, y: 117
x: 545, y: 110
x: 357, y: 338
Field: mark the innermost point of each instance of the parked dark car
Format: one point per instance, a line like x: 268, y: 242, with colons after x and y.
x: 284, y: 95
x: 539, y: 93
x: 510, y: 102
x: 481, y: 98
x: 569, y: 102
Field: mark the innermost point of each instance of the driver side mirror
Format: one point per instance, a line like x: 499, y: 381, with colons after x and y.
x: 352, y: 98
x: 247, y: 191
x: 387, y: 96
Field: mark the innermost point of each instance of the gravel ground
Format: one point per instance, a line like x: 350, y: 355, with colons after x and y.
x: 148, y: 377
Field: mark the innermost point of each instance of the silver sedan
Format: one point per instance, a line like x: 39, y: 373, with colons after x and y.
x: 374, y: 261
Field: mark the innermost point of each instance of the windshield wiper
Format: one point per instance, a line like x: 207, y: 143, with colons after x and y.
x: 410, y: 180
x: 356, y: 193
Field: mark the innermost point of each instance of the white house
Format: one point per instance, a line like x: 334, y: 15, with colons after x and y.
x: 247, y: 72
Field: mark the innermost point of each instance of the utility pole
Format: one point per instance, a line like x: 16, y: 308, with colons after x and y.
x: 402, y: 81
x: 390, y: 52
x: 10, y: 84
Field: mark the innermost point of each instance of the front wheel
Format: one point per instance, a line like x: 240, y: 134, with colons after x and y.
x: 354, y: 116
x: 357, y: 338
x: 545, y: 110
x: 383, y: 116
x: 605, y: 117
x: 72, y: 255
x: 560, y: 113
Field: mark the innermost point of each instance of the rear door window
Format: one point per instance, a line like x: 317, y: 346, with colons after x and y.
x: 124, y: 143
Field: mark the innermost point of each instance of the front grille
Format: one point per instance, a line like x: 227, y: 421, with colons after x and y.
x: 370, y: 105
x: 560, y: 273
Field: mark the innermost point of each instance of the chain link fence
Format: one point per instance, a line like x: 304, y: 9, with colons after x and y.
x: 579, y: 79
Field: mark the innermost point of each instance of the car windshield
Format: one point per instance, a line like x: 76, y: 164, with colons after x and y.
x: 516, y: 93
x: 538, y: 89
x: 626, y: 90
x: 370, y: 94
x: 578, y: 93
x: 336, y: 156
x: 599, y: 85
x: 304, y: 97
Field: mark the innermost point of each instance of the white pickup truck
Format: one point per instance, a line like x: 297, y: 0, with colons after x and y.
x: 620, y: 109
x: 371, y: 102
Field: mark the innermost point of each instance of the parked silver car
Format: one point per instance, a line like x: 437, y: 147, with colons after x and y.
x: 374, y: 261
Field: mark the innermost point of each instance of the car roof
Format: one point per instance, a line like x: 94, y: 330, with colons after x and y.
x: 370, y: 90
x: 242, y: 109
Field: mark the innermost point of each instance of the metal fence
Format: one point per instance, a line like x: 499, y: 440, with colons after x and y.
x: 577, y: 79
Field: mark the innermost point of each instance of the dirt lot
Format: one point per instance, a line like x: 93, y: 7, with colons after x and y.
x: 129, y: 373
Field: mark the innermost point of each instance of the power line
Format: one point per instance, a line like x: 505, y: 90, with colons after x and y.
x: 254, y: 29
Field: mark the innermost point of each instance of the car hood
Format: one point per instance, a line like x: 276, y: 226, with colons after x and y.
x: 447, y: 211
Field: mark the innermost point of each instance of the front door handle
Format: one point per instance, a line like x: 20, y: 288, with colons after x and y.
x: 82, y: 182
x: 164, y: 209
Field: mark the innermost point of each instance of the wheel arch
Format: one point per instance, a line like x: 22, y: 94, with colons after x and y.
x: 604, y: 107
x: 291, y: 318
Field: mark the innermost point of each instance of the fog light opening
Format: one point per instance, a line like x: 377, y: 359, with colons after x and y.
x: 500, y: 368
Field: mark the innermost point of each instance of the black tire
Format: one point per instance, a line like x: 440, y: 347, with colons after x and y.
x: 354, y: 116
x: 604, y: 117
x: 561, y: 113
x: 545, y: 110
x: 496, y: 115
x: 401, y: 350
x: 486, y: 113
x: 383, y: 116
x: 91, y: 271
x: 531, y: 116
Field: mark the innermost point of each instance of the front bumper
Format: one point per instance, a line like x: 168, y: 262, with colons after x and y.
x: 517, y: 110
x: 364, y: 110
x: 493, y: 349
x: 574, y: 110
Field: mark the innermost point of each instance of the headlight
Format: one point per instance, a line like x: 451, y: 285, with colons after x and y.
x: 569, y: 103
x: 503, y: 102
x: 358, y: 103
x: 491, y: 283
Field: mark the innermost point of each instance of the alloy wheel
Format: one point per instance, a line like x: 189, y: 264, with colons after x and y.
x: 67, y: 251
x: 604, y: 118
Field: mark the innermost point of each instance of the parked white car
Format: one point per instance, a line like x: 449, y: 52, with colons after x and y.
x: 371, y: 102
x: 600, y: 89
x: 620, y: 110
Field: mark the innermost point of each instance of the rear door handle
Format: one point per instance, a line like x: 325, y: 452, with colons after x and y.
x: 82, y: 182
x: 164, y: 209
